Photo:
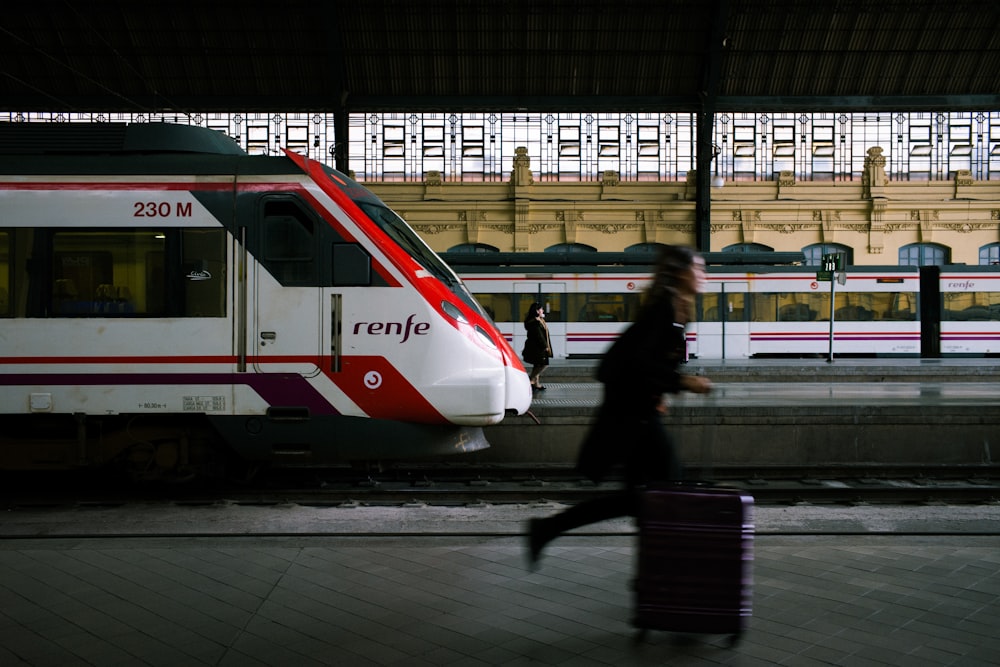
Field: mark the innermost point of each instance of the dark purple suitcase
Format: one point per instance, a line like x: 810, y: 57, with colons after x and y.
x: 695, y: 557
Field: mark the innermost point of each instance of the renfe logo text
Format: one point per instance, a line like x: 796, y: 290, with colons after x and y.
x: 393, y: 328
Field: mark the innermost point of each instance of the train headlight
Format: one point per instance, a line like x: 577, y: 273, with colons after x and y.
x: 486, y: 337
x: 452, y: 311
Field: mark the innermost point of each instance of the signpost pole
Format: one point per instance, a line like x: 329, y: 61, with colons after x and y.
x: 833, y: 288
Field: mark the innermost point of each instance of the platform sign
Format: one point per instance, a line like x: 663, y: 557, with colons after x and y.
x: 831, y: 263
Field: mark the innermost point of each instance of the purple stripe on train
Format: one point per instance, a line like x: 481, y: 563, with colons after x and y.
x: 277, y: 389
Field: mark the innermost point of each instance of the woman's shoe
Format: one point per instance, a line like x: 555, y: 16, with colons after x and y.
x: 541, y: 388
x: 537, y: 540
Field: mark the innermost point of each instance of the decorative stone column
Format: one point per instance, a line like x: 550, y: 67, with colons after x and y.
x: 520, y: 178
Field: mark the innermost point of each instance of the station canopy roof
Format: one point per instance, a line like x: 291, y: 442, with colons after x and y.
x: 500, y: 55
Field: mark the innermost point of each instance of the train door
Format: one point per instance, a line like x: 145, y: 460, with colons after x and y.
x: 722, y: 328
x: 552, y: 297
x: 930, y: 312
x: 288, y: 318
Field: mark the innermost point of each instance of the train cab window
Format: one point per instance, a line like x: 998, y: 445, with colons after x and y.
x: 352, y: 265
x: 289, y: 248
x: 133, y: 273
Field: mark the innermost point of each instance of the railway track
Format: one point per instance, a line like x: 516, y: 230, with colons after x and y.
x: 418, y: 485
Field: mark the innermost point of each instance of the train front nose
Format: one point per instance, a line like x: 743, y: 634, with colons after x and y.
x: 482, y: 397
x: 518, y: 390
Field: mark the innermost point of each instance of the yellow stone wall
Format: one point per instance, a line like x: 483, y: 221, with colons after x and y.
x: 873, y: 216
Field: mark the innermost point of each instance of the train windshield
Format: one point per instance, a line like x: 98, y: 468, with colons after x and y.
x: 401, y: 233
x: 390, y: 223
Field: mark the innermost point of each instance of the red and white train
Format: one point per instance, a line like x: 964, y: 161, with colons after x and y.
x: 165, y: 297
x: 751, y: 311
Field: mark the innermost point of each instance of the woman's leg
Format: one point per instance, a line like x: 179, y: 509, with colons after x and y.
x: 542, y: 531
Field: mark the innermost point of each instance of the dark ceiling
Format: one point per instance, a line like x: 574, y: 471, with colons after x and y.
x: 501, y: 55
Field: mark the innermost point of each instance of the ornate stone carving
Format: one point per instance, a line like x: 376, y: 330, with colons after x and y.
x: 569, y: 216
x: 782, y: 228
x: 874, y: 173
x: 433, y: 177
x: 520, y: 175
x: 613, y: 229
x: 924, y: 215
x: 438, y: 228
x: 968, y: 227
x: 535, y: 228
x: 610, y: 178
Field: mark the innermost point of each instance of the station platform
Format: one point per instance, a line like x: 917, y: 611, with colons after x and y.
x: 291, y: 585
x: 812, y: 369
x: 785, y: 412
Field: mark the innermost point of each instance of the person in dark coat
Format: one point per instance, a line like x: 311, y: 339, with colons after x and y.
x: 640, y: 368
x: 537, y: 346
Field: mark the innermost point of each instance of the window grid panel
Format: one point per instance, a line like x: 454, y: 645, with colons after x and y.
x: 481, y: 146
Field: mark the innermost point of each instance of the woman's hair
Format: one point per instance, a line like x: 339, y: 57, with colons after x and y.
x: 532, y: 313
x: 674, y: 262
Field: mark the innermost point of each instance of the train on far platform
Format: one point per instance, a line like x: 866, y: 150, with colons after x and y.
x: 759, y: 305
x: 170, y: 305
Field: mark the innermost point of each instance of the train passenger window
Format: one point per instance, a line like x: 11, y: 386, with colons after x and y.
x: 551, y: 302
x: 203, y: 263
x: 132, y: 272
x: 601, y: 307
x: 707, y: 307
x: 764, y: 308
x: 971, y: 306
x: 498, y: 307
x: 900, y: 306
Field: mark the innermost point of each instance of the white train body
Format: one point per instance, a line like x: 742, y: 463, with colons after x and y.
x: 273, y: 300
x: 761, y: 311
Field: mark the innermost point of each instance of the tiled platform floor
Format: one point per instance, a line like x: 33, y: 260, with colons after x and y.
x: 469, y: 600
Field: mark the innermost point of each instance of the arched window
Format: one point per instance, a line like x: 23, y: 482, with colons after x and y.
x: 473, y: 247
x: 989, y: 254
x: 924, y: 254
x: 571, y: 247
x: 814, y: 253
x: 646, y: 248
x: 748, y: 247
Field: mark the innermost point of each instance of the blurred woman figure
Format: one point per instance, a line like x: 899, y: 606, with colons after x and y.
x: 638, y: 370
x: 537, y: 346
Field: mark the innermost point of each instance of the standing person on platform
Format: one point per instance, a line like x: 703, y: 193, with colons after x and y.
x: 537, y: 346
x: 638, y: 370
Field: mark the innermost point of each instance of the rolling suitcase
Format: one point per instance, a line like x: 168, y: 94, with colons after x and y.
x: 695, y: 557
